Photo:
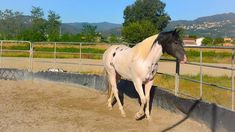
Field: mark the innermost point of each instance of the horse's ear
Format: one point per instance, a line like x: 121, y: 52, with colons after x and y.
x: 177, y: 30
x: 174, y: 32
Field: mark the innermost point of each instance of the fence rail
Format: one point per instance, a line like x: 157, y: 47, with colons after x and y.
x: 54, y: 53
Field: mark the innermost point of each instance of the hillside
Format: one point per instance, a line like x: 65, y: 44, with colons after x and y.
x: 221, y: 25
x: 104, y: 27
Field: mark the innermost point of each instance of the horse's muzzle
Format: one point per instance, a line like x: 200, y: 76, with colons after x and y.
x: 184, y: 61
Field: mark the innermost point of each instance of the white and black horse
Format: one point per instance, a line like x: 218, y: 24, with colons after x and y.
x: 139, y: 64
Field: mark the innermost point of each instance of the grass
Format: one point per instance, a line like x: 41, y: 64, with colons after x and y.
x: 210, y: 93
x: 209, y: 56
x: 69, y: 50
x: 10, y: 46
x: 14, y: 54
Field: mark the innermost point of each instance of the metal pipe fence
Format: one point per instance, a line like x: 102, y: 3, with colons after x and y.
x: 79, y: 54
x: 4, y: 48
x: 201, y: 65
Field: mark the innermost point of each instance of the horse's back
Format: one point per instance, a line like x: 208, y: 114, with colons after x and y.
x: 110, y: 53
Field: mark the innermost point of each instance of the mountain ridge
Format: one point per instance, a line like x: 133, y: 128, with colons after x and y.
x: 106, y: 28
x: 219, y: 25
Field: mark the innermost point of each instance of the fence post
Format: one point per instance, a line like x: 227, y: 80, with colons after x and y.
x: 80, y: 53
x: 177, y: 77
x: 80, y: 56
x: 1, y: 55
x: 54, y: 55
x: 30, y: 57
x: 201, y: 73
x: 232, y: 76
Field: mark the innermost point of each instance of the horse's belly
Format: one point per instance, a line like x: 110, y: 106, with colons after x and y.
x: 123, y: 70
x: 122, y: 64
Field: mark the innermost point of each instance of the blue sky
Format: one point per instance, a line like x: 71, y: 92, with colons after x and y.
x: 112, y: 10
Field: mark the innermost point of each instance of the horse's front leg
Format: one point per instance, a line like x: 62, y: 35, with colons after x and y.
x: 139, y: 89
x: 148, y: 87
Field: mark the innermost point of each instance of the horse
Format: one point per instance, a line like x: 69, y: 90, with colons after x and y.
x: 139, y: 64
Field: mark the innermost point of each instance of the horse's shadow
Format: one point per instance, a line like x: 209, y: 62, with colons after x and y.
x: 127, y: 88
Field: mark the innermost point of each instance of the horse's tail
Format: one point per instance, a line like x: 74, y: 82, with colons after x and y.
x: 107, y: 83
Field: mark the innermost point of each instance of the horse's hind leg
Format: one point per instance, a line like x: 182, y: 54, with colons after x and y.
x: 113, y: 82
x: 111, y: 94
x: 110, y: 98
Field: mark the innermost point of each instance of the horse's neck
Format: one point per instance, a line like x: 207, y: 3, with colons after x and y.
x: 155, y: 54
x: 142, y: 49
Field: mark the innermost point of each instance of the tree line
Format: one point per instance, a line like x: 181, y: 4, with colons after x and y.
x: 16, y: 26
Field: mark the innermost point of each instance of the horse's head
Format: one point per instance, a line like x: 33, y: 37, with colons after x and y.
x: 172, y: 45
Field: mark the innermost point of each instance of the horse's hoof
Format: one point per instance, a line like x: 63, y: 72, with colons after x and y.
x: 110, y: 107
x: 138, y: 115
x: 149, y: 118
x: 123, y: 114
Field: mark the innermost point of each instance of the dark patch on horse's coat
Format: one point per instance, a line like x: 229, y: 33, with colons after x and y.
x: 153, y: 71
x: 117, y: 48
x: 114, y: 54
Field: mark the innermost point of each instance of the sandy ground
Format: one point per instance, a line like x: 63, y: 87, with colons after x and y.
x: 41, y: 106
x: 73, y: 65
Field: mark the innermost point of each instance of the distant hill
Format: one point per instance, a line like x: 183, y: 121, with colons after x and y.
x: 105, y: 28
x: 220, y: 25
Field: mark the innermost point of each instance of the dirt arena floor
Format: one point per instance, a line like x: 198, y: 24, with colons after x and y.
x: 43, y: 106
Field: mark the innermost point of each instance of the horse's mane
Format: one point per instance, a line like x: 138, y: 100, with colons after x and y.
x: 143, y: 48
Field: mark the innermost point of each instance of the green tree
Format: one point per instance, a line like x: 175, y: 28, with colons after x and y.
x: 181, y: 32
x: 144, y: 12
x: 152, y: 10
x: 138, y: 31
x: 26, y: 34
x: 53, y: 26
x: 11, y: 24
x: 207, y: 41
x: 65, y: 37
x: 112, y: 38
x: 38, y: 31
x: 219, y: 41
x: 89, y: 33
x: 193, y: 36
